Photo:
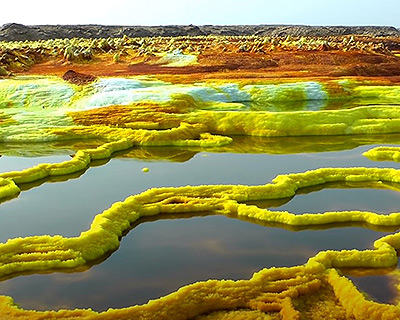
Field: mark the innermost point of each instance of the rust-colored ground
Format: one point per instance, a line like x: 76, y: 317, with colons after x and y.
x: 218, y: 58
x: 239, y: 66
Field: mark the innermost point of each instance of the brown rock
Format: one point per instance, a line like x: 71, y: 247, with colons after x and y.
x: 78, y: 78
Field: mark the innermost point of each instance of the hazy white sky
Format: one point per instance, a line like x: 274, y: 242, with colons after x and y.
x: 200, y: 12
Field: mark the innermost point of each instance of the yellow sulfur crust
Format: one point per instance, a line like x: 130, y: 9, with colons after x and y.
x: 275, y: 293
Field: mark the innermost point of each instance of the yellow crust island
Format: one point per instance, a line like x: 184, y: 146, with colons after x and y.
x: 185, y: 92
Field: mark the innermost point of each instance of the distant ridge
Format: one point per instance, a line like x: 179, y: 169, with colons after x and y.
x: 20, y: 32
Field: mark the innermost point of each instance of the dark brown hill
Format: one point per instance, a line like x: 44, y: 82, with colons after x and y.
x: 18, y: 32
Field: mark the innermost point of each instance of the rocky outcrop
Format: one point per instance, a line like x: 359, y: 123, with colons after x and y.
x: 19, y: 32
x: 78, y: 78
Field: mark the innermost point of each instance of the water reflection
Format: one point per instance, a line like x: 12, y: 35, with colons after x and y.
x: 19, y: 163
x: 383, y: 198
x: 378, y: 287
x: 240, y: 144
x: 68, y: 208
x: 158, y: 257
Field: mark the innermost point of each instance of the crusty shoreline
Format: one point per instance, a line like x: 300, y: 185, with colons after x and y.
x: 19, y: 32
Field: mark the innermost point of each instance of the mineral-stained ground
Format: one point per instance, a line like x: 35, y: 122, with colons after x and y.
x: 100, y: 90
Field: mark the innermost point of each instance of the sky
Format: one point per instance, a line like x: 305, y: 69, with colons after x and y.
x: 202, y: 12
